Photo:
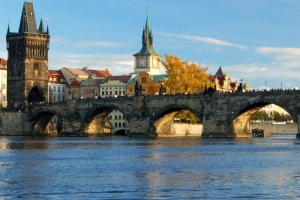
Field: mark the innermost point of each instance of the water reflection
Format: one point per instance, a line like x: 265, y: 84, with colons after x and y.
x: 126, y: 168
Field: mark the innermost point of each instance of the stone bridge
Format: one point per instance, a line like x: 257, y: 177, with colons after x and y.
x: 221, y: 114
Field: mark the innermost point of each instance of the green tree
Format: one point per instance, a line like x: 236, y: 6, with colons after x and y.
x: 277, y: 116
x: 187, y: 116
x: 184, y: 76
x: 260, y: 115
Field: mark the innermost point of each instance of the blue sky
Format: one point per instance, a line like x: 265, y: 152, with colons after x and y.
x: 256, y: 40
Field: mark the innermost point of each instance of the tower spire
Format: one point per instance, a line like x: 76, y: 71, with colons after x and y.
x: 28, y: 22
x: 41, y: 28
x: 147, y: 40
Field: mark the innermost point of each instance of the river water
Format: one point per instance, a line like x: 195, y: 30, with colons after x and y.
x: 131, y: 168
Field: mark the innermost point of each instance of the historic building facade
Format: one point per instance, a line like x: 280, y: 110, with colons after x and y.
x: 3, y: 82
x: 147, y: 60
x: 223, y: 83
x: 27, y: 70
x: 57, y: 86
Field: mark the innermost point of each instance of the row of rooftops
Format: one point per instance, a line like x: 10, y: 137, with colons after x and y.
x: 103, y: 76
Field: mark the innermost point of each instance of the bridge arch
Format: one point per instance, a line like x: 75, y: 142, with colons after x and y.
x: 238, y: 121
x: 46, y: 123
x: 161, y: 123
x: 97, y: 121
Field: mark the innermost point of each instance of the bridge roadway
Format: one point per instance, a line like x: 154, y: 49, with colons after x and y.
x: 222, y: 114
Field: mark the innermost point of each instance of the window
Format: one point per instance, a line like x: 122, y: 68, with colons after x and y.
x: 54, y: 89
x: 123, y: 124
x: 116, y: 117
x: 58, y: 97
x: 58, y: 88
x: 110, y: 117
x: 63, y: 89
x: 116, y: 124
x: 36, y: 70
x: 120, y: 125
x: 120, y: 116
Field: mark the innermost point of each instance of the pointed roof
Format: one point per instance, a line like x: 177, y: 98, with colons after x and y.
x: 220, y: 72
x: 41, y: 28
x: 8, y: 30
x: 147, y: 41
x: 27, y: 22
x: 55, y: 76
x: 47, y: 31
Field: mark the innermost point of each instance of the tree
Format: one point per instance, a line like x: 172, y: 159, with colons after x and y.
x: 277, y: 116
x: 260, y: 115
x: 153, y: 88
x: 184, y: 76
x: 187, y: 116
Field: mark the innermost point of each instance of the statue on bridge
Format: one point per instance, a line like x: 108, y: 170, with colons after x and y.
x: 162, y: 89
x: 137, y: 89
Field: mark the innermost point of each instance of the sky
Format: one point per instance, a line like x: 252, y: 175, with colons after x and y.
x: 256, y: 41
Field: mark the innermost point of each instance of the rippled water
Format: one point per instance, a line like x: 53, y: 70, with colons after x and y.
x: 130, y: 168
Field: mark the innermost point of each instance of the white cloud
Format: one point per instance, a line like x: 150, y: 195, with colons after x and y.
x: 207, y: 40
x: 258, y: 74
x: 99, y: 44
x: 284, y: 57
x: 117, y: 64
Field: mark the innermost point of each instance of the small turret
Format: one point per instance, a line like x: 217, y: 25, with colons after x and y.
x: 41, y: 28
x: 8, y: 30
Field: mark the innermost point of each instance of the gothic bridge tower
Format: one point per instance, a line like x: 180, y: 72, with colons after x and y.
x: 27, y: 67
x: 147, y: 60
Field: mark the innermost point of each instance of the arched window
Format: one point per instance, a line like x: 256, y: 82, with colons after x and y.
x: 36, y: 70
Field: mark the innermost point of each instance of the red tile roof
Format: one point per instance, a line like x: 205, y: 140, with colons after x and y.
x: 86, y: 72
x: 55, y: 76
x: 3, y: 61
x: 76, y: 83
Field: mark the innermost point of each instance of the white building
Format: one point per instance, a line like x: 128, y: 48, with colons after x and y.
x: 114, y: 86
x: 3, y: 82
x: 57, y: 86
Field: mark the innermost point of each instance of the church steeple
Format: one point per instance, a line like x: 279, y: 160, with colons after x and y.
x: 147, y: 41
x: 147, y: 60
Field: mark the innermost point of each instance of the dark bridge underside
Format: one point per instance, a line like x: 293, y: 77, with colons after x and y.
x: 46, y: 123
x: 97, y: 121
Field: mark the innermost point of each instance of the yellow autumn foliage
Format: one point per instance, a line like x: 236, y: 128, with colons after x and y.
x: 184, y: 76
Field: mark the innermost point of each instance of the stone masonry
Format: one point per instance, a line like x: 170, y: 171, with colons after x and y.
x: 221, y: 114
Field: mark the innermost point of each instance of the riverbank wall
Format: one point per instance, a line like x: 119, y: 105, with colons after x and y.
x: 276, y: 128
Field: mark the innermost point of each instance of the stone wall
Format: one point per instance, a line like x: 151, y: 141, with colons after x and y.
x: 276, y: 128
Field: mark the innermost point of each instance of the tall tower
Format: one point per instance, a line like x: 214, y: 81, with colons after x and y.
x: 27, y: 65
x: 147, y: 60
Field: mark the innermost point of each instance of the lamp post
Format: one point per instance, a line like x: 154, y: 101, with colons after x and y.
x: 265, y: 85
